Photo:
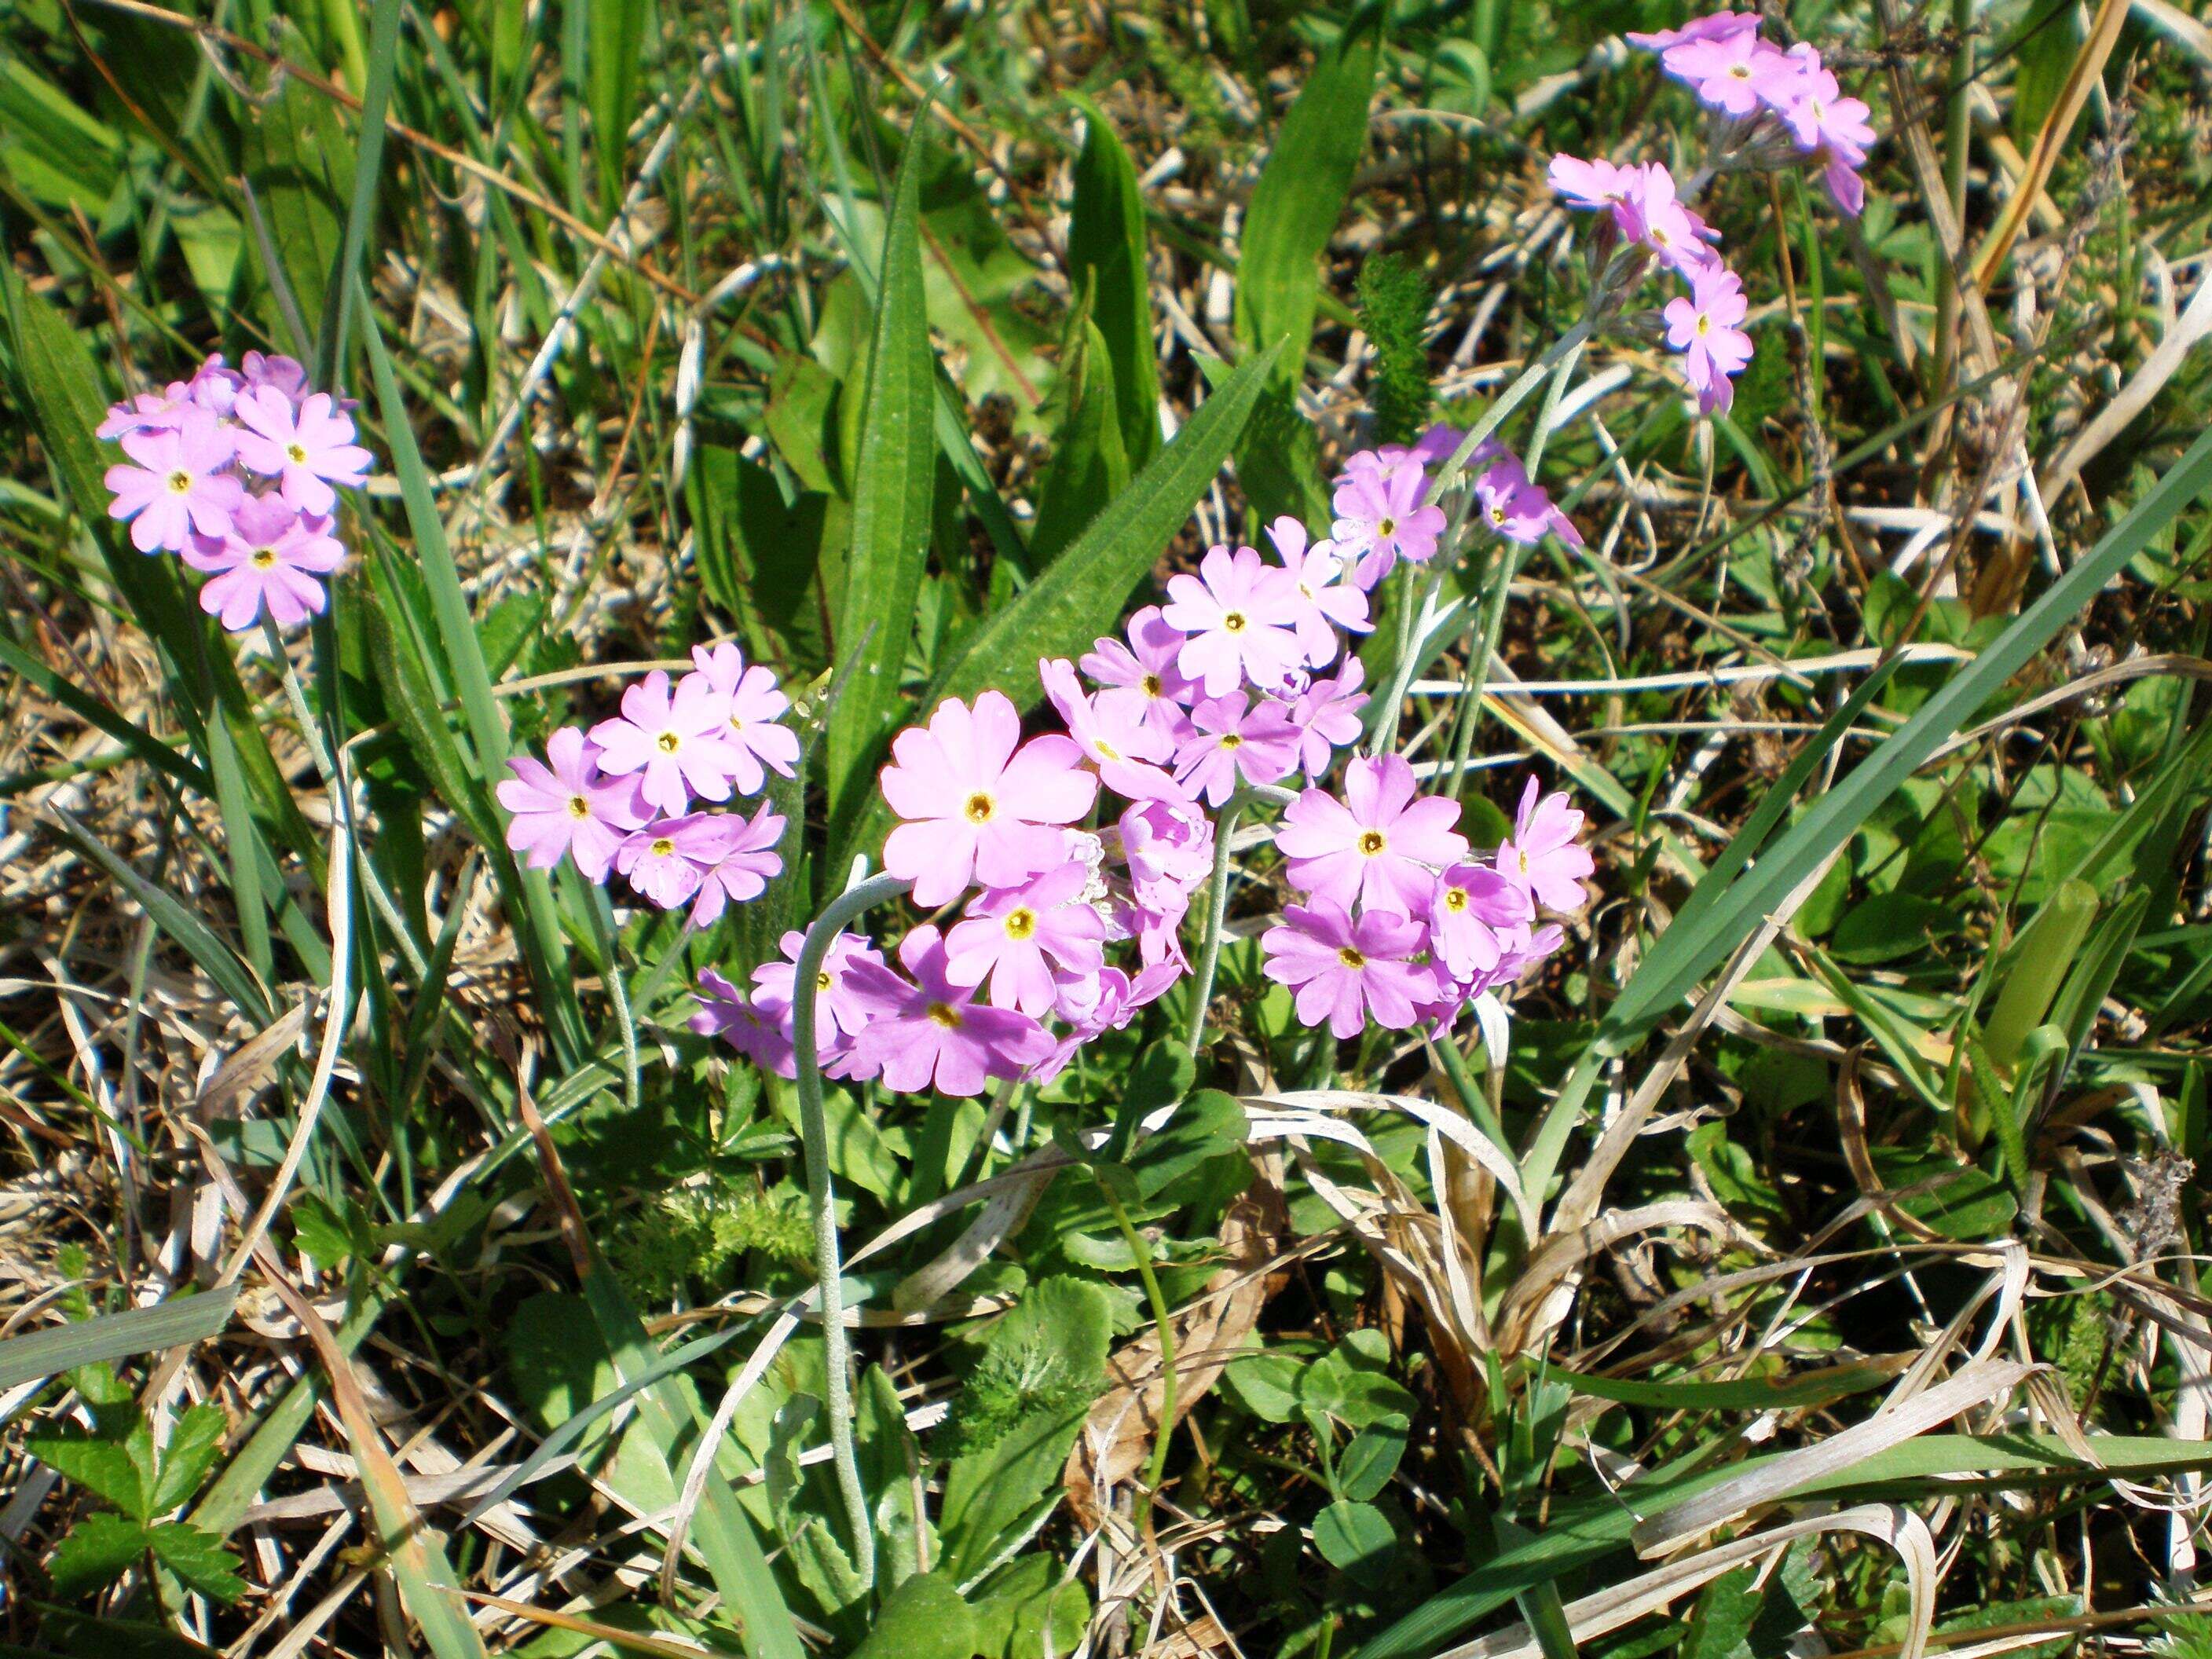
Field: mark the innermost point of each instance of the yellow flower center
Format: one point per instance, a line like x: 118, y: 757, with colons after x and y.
x: 1350, y: 957
x: 1152, y: 685
x: 264, y: 557
x: 822, y: 980
x: 980, y: 808
x: 737, y: 723
x: 180, y: 481
x: 1231, y: 740
x: 1387, y: 527
x: 1234, y: 622
x: 1454, y: 898
x: 668, y: 742
x: 946, y: 1015
x: 1020, y: 922
x: 299, y: 456
x: 1372, y: 842
x: 1704, y: 323
x: 662, y: 846
x: 579, y: 807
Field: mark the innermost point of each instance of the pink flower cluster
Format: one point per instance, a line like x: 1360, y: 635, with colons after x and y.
x: 1400, y: 928
x: 620, y: 798
x: 193, y: 448
x: 1383, y: 512
x: 1787, y: 105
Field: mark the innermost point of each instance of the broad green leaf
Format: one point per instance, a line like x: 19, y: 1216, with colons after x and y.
x: 1083, y: 594
x: 1106, y: 251
x: 1017, y: 1610
x: 1089, y: 466
x: 924, y: 1618
x: 2042, y: 59
x: 116, y: 1462
x: 1370, y: 1459
x: 301, y: 163
x: 98, y: 1550
x: 1301, y: 194
x: 194, y: 1444
x: 761, y: 559
x: 1723, y: 1617
x: 200, y: 1558
x: 169, y: 1324
x: 897, y: 469
x: 1356, y: 1539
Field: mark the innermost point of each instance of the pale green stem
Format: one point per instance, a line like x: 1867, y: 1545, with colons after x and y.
x: 814, y: 1134
x: 1164, y: 1322
x: 1217, y: 908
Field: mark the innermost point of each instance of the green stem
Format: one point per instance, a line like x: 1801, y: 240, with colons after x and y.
x: 1217, y: 908
x: 814, y: 1134
x: 1166, y: 1326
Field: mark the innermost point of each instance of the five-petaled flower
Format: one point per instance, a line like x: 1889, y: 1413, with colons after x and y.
x: 307, y: 449
x: 268, y: 559
x: 1379, y: 847
x: 1348, y: 971
x: 677, y: 744
x: 178, y: 489
x: 565, y: 805
x: 933, y: 1031
x: 1236, y: 615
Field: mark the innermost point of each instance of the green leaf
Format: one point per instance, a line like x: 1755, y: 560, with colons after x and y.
x: 617, y: 40
x: 1083, y: 594
x: 896, y: 472
x: 1019, y: 1609
x: 761, y: 558
x: 2041, y: 62
x: 1819, y: 1388
x: 117, y: 1462
x: 199, y: 1558
x: 1347, y: 1385
x: 1356, y: 1539
x: 170, y: 1324
x: 194, y: 1444
x: 301, y: 164
x: 1301, y: 195
x: 1723, y: 1617
x: 97, y: 1550
x: 1365, y: 1466
x: 1090, y: 466
x: 1106, y: 251
x: 925, y: 1617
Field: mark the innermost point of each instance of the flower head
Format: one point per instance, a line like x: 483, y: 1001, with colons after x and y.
x: 1015, y: 937
x: 1142, y: 676
x: 839, y: 1009
x: 1471, y: 914
x: 1379, y: 847
x: 1650, y: 213
x: 667, y: 859
x: 677, y: 744
x: 1233, y: 740
x: 979, y: 805
x: 1516, y: 507
x: 1735, y: 73
x: 1236, y: 617
x: 933, y: 1031
x: 1717, y: 26
x: 744, y: 862
x: 148, y: 411
x: 1323, y: 601
x: 1112, y: 736
x: 178, y: 489
x: 269, y: 559
x: 1382, y: 515
x: 1348, y: 972
x: 752, y: 707
x: 277, y: 372
x: 1326, y: 716
x: 306, y: 450
x: 1596, y: 183
x: 758, y: 1027
x: 565, y: 804
x: 1168, y: 846
x: 1704, y: 327
x: 1542, y: 857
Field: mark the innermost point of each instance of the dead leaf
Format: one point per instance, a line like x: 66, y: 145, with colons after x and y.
x: 239, y: 1078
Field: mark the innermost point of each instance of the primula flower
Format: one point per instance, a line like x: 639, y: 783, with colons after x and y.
x: 1168, y: 846
x: 1832, y: 128
x: 1015, y: 937
x: 1233, y: 739
x: 1324, y: 602
x: 1326, y: 716
x: 1113, y: 737
x: 743, y: 867
x: 1735, y: 73
x: 1650, y: 214
x: 306, y: 450
x: 1237, y: 614
x: 839, y: 1009
x: 677, y: 744
x: 1719, y: 26
x: 1518, y: 508
x: 270, y: 557
x: 1349, y: 973
x: 752, y: 704
x: 274, y: 370
x: 1703, y: 327
x: 977, y: 810
x: 933, y: 1031
x: 1142, y: 676
x: 758, y: 1027
x: 668, y: 861
x: 1542, y: 857
x: 178, y: 488
x: 1378, y: 847
x: 565, y: 804
x: 1382, y: 515
x: 215, y: 387
x: 148, y: 411
x: 1472, y: 907
x: 1596, y: 183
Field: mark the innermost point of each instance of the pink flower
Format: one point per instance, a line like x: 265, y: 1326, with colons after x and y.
x: 1323, y: 602
x: 1518, y: 509
x: 1326, y: 716
x: 1114, y: 737
x: 1382, y: 515
x: 216, y: 387
x: 1650, y: 214
x: 1348, y: 973
x: 759, y: 1028
x: 744, y: 865
x: 270, y: 557
x: 1735, y: 73
x: 839, y: 1009
x: 935, y: 1030
x: 1596, y: 183
x: 306, y: 452
x: 1016, y: 936
x: 1379, y: 847
x: 1237, y: 613
x: 1168, y: 847
x: 976, y: 810
x: 1471, y: 905
x: 1703, y: 327
x: 1524, y: 947
x: 1543, y: 858
x: 677, y: 744
x: 564, y: 803
x: 1719, y: 26
x: 1142, y: 675
x: 149, y: 411
x: 178, y: 489
x: 752, y: 704
x: 1233, y: 739
x: 668, y: 861
x: 274, y: 370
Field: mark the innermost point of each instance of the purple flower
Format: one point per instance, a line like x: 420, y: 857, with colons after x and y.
x: 1349, y: 973
x: 149, y: 411
x: 178, y: 489
x: 1518, y: 508
x: 1735, y: 73
x: 1472, y: 906
x: 1142, y: 676
x: 979, y: 805
x: 677, y: 744
x: 273, y: 369
x: 759, y: 1028
x: 270, y: 556
x: 668, y: 861
x: 1719, y: 26
x: 1237, y: 614
x: 1594, y: 183
x: 1168, y: 847
x: 216, y: 387
x: 1382, y: 515
x: 1326, y: 716
x: 1324, y: 602
x: 1703, y: 327
x: 751, y: 704
x: 1015, y: 937
x: 1233, y: 739
x: 1650, y: 214
x: 306, y: 450
x: 1543, y: 858
x: 839, y: 1009
x: 1114, y: 737
x: 933, y: 1031
x: 1379, y: 847
x: 564, y: 803
x: 746, y: 863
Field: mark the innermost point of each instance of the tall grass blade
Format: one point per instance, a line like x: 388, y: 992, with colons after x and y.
x: 1106, y: 251
x: 167, y: 1324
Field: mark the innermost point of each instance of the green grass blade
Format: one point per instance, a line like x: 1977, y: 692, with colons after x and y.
x: 338, y: 297
x: 1106, y: 249
x: 1682, y: 955
x: 896, y: 473
x: 142, y: 744
x: 167, y: 1324
x: 616, y: 42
